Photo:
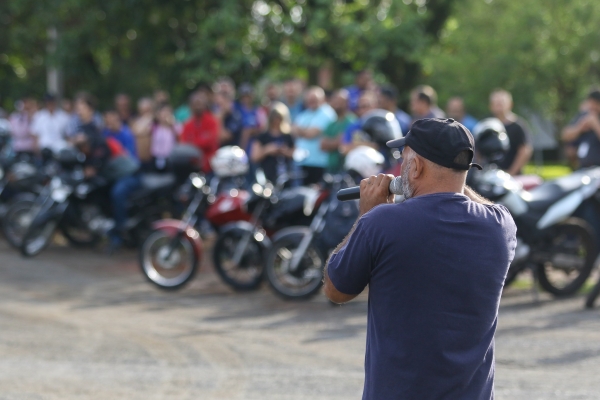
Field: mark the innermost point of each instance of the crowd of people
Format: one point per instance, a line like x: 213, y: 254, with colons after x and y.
x: 326, y: 125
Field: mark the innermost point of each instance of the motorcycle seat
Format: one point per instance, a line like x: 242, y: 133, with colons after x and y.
x: 548, y: 193
x: 151, y: 183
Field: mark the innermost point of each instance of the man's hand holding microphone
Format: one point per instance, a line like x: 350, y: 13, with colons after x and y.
x: 376, y: 190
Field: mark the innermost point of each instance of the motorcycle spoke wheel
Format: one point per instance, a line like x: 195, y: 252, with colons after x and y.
x: 248, y: 273
x: 303, y: 282
x: 167, y: 263
x: 569, y: 259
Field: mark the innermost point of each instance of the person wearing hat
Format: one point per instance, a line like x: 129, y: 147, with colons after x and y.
x: 435, y: 265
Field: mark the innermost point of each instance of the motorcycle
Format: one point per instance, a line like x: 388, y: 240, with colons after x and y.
x: 558, y: 247
x: 295, y: 262
x: 244, y: 223
x: 78, y: 208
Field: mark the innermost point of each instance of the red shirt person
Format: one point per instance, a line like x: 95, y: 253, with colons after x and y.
x: 202, y: 129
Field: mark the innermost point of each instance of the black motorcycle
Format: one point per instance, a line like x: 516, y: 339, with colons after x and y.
x: 295, y: 262
x: 78, y: 207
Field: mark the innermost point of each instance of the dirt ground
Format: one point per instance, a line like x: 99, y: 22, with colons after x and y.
x: 79, y: 325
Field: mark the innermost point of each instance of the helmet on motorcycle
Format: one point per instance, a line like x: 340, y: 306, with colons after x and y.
x: 229, y: 161
x: 491, y: 141
x: 365, y: 161
x: 380, y: 126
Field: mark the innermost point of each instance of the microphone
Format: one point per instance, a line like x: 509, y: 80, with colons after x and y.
x: 353, y: 193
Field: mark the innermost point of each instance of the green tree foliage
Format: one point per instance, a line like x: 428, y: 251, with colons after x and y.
x: 137, y: 46
x: 544, y: 51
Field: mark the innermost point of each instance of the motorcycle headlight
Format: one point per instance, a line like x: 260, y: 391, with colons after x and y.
x: 60, y: 194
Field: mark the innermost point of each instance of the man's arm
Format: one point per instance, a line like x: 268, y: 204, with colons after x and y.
x: 521, y: 158
x: 352, y: 257
x: 328, y: 287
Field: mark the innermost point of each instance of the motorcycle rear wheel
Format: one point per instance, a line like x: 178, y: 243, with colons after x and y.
x: 169, y: 269
x: 572, y: 251
x: 248, y: 275
x: 303, y: 283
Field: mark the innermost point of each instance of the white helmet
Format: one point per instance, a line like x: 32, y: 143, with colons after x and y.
x: 229, y: 161
x: 365, y: 161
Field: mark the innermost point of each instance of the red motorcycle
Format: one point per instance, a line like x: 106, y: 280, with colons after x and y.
x: 245, y: 222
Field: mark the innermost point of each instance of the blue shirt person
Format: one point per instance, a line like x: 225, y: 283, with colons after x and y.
x: 362, y: 83
x: 456, y: 109
x: 115, y: 128
x: 435, y: 265
x: 308, y: 128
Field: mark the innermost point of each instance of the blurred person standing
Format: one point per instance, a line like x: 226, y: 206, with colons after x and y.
x: 67, y: 106
x: 423, y: 103
x: 455, y: 109
x: 388, y: 100
x: 308, y: 129
x: 202, y: 129
x: 142, y: 130
x: 50, y: 125
x: 230, y: 119
x: 273, y: 150
x: 164, y: 136
x: 520, y: 151
x: 354, y: 136
x: 160, y: 98
x: 123, y: 108
x: 86, y: 117
x: 583, y: 133
x: 251, y: 119
x: 272, y: 94
x: 362, y: 83
x: 24, y: 141
x: 292, y: 97
x: 76, y: 123
x: 332, y: 135
x: 115, y: 128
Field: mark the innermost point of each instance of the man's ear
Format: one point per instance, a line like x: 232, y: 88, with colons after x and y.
x: 419, y: 167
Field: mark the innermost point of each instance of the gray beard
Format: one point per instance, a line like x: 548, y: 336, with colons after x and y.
x: 407, y: 189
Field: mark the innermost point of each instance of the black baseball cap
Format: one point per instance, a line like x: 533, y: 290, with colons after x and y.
x: 439, y: 140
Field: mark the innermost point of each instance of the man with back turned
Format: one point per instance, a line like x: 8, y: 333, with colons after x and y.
x: 435, y: 265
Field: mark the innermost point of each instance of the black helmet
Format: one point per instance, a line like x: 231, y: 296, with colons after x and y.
x: 491, y: 141
x: 380, y: 126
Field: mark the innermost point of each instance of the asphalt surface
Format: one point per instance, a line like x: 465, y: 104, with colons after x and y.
x: 76, y: 324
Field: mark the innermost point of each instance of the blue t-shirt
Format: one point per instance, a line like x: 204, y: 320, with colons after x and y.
x: 469, y: 122
x: 125, y: 137
x: 404, y: 120
x: 320, y: 119
x: 354, y: 94
x: 435, y: 266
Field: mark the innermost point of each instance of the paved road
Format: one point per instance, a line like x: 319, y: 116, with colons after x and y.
x: 76, y: 324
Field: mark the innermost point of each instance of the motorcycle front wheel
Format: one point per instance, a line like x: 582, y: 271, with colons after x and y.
x: 303, y: 282
x: 37, y: 238
x: 17, y: 219
x: 248, y: 273
x: 168, y: 261
x: 567, y: 259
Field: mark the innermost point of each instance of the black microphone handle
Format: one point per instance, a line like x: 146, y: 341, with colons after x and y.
x: 353, y: 193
